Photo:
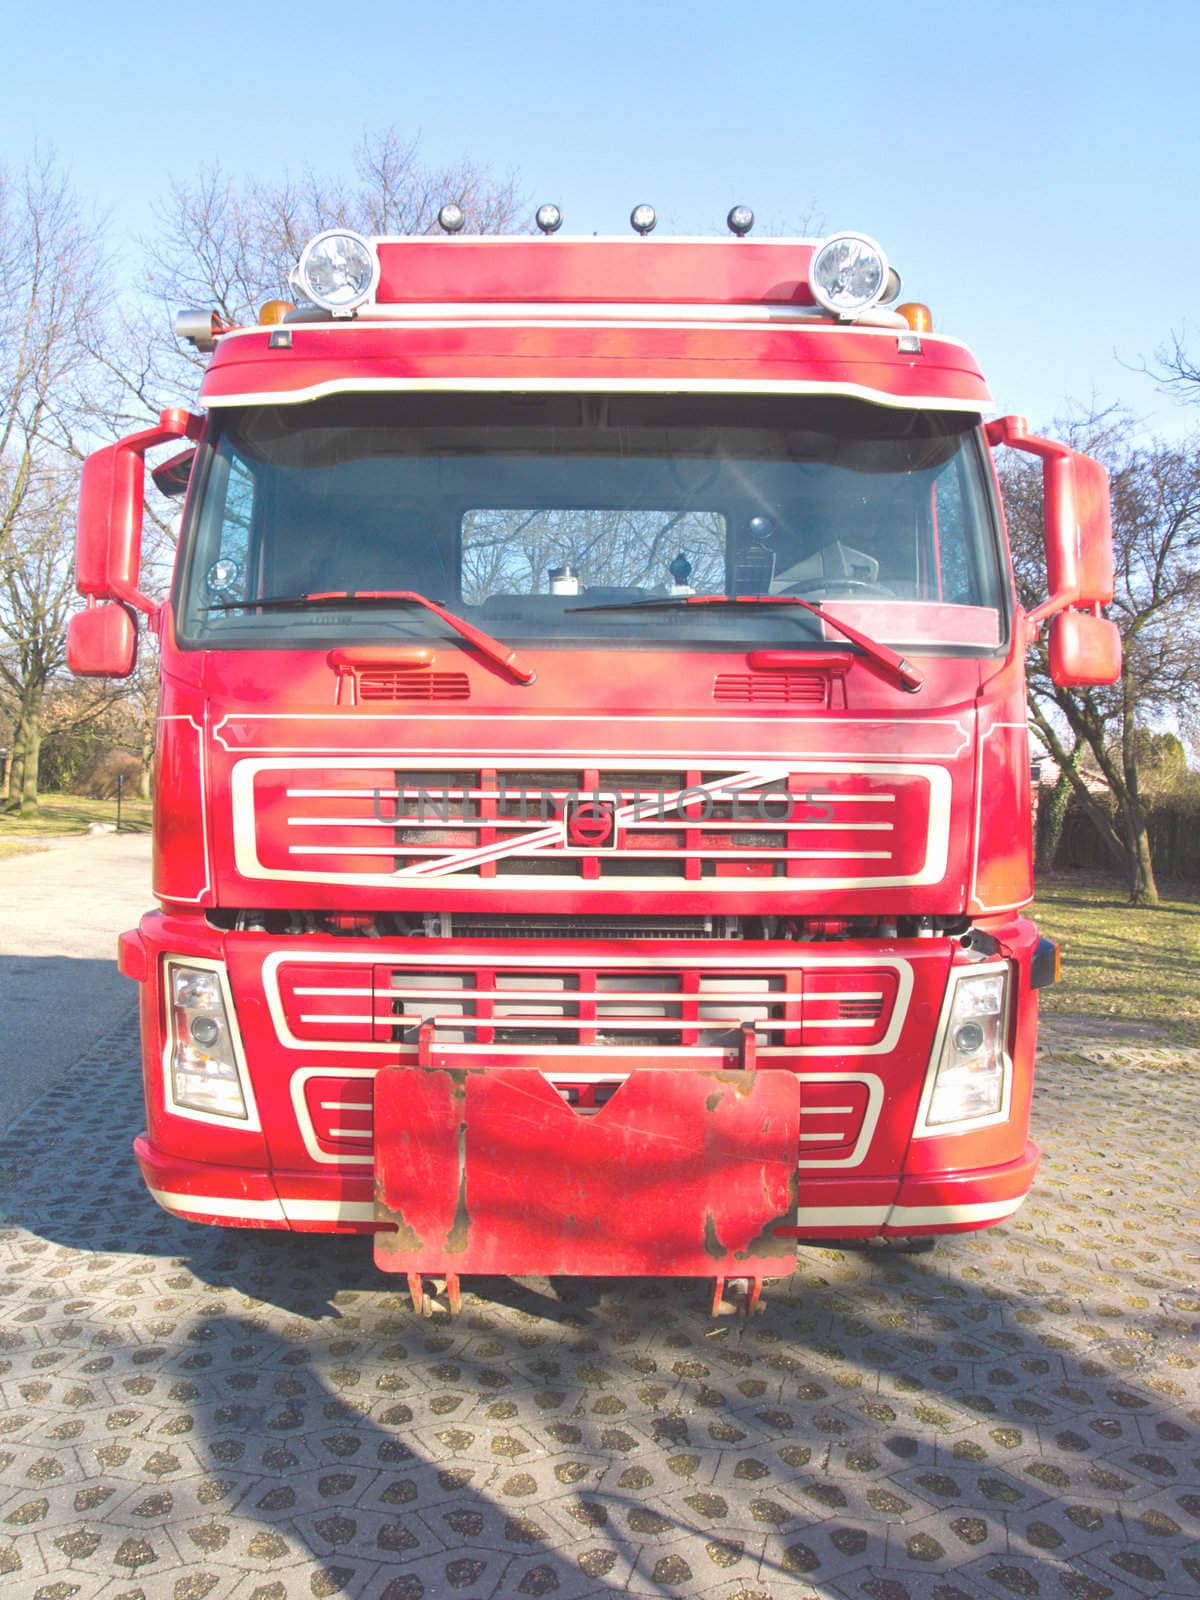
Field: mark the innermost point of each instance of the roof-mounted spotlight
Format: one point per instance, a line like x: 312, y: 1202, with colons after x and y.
x: 849, y: 273
x: 548, y: 219
x: 199, y: 328
x: 740, y: 220
x: 337, y: 270
x: 643, y: 219
x: 451, y: 218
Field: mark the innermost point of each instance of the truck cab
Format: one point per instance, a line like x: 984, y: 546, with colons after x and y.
x: 592, y: 805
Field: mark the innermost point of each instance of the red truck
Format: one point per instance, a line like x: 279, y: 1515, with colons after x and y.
x: 592, y: 809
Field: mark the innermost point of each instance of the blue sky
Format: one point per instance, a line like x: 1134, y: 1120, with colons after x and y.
x: 1031, y: 171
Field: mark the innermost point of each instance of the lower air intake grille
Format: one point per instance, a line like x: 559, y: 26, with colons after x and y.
x: 614, y: 1004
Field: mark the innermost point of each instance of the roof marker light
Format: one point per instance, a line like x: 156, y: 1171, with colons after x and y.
x: 848, y: 274
x: 338, y: 270
x: 643, y: 219
x: 918, y: 316
x: 549, y: 219
x: 451, y: 218
x: 740, y: 220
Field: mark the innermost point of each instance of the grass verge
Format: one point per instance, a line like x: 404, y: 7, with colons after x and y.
x: 73, y: 813
x: 19, y: 847
x: 1120, y: 962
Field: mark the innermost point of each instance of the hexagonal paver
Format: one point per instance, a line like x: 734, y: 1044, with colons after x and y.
x: 205, y: 1416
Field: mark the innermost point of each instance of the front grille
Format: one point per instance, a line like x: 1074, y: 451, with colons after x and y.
x: 328, y: 1003
x: 340, y: 1111
x: 586, y: 1026
x: 581, y: 1009
x: 853, y: 1006
x: 477, y: 1003
x: 731, y: 827
x: 831, y: 1117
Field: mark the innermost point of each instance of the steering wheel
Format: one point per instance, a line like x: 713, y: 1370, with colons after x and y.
x: 836, y: 586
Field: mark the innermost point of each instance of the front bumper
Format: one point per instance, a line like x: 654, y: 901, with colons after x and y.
x: 827, y: 1209
x: 852, y: 1024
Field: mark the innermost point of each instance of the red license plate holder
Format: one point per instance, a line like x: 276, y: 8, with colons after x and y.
x: 683, y: 1173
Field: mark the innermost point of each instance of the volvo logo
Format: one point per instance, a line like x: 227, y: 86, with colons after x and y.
x: 591, y: 824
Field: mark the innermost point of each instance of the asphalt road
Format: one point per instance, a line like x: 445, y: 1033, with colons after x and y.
x: 61, y: 910
x: 190, y: 1413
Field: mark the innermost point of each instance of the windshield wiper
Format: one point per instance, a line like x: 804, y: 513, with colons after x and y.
x: 493, y: 649
x: 905, y: 674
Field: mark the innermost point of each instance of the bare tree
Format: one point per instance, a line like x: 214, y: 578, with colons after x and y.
x: 231, y: 243
x: 1174, y: 369
x: 51, y: 266
x: 37, y: 597
x: 1156, y: 603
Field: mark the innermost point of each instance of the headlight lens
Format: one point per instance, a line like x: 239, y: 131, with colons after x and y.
x: 848, y: 274
x: 196, y: 988
x: 338, y: 270
x: 971, y: 1073
x: 203, y: 1065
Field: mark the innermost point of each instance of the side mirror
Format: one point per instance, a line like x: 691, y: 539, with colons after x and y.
x: 101, y: 642
x: 1083, y: 650
x: 1079, y: 554
x: 1078, y: 513
x: 111, y: 502
x: 173, y: 477
x: 1084, y: 647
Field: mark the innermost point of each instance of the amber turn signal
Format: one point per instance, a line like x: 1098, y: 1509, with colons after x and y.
x: 918, y: 317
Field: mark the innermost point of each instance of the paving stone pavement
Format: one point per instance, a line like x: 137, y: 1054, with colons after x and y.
x: 191, y: 1413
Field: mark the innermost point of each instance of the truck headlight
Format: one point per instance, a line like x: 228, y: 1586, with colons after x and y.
x: 970, y: 1075
x: 337, y: 270
x: 203, y: 1063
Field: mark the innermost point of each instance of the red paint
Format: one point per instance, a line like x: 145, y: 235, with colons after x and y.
x: 821, y: 356
x: 681, y: 1172
x: 573, y: 1103
x: 638, y: 272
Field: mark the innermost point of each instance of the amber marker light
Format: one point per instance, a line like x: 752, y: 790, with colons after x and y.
x: 273, y: 311
x: 918, y: 317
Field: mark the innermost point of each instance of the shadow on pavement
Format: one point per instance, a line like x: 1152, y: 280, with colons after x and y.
x: 1014, y: 1414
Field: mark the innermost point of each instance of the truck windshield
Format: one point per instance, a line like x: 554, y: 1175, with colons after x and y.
x: 552, y: 518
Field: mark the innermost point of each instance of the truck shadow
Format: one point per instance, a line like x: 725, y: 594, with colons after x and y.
x: 582, y: 1436
x: 1006, y: 1405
